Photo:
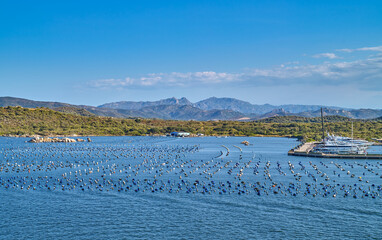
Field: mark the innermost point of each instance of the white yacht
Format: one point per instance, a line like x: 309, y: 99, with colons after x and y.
x: 333, y: 144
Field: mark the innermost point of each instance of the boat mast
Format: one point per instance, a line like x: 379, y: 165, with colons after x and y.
x: 352, y: 135
x: 352, y: 130
x: 322, y: 123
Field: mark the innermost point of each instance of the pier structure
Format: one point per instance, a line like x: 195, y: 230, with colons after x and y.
x: 305, y: 150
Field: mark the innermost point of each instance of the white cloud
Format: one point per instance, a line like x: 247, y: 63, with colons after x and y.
x: 174, y: 79
x: 373, y: 49
x: 364, y: 74
x: 326, y: 55
x: 112, y: 82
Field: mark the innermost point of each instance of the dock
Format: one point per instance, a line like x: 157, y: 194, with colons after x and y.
x: 305, y: 150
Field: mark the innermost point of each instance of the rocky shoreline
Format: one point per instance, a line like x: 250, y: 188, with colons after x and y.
x: 57, y: 140
x: 44, y: 136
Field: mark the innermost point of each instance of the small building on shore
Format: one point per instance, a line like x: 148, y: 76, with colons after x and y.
x: 180, y: 134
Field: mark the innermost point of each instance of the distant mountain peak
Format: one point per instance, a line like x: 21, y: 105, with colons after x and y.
x: 208, y: 109
x: 279, y: 110
x: 180, y: 101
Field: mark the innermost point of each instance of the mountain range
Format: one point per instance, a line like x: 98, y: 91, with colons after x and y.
x: 182, y: 109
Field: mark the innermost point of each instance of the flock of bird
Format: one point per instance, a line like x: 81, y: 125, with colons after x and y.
x: 180, y: 168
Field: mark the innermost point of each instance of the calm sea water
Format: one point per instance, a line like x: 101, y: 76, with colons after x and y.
x: 191, y: 188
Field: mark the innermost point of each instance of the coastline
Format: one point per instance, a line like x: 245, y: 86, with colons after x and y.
x: 147, y: 135
x: 23, y: 122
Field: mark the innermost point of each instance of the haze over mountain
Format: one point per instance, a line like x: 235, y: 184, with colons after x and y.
x: 246, y: 107
x: 214, y: 103
x: 182, y: 109
x: 131, y: 105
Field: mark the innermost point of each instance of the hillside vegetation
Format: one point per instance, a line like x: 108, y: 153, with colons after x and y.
x: 75, y: 111
x: 43, y: 121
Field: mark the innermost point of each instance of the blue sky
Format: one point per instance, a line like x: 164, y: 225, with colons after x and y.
x: 277, y: 52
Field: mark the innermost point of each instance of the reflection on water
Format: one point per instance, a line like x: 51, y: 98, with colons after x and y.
x: 191, y: 188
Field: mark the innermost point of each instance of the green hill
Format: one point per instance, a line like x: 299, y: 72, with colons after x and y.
x: 12, y: 101
x: 75, y: 111
x: 44, y: 121
x: 289, y: 119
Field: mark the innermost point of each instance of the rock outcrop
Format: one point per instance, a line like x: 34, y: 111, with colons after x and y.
x: 52, y: 140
